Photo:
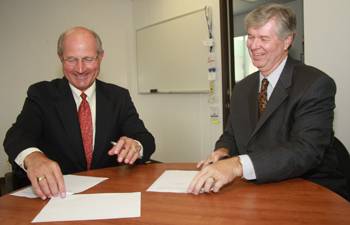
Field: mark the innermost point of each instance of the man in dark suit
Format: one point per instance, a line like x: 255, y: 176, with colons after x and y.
x: 283, y: 131
x: 75, y: 123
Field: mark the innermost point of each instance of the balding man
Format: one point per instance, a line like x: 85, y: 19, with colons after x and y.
x: 75, y: 123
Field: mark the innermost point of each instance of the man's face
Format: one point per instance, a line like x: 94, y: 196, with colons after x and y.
x: 266, y: 49
x: 81, y: 63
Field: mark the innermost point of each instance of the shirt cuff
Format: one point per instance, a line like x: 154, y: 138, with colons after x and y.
x: 247, y: 167
x: 141, y: 148
x: 23, y: 154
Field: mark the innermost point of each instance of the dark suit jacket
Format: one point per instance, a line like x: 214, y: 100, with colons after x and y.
x: 49, y: 121
x: 293, y: 137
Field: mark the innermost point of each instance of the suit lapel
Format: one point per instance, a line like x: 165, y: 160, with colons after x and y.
x: 253, y: 98
x: 67, y: 112
x: 251, y: 110
x: 104, y: 110
x: 279, y: 94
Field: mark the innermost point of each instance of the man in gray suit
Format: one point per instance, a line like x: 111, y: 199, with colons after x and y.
x: 281, y: 117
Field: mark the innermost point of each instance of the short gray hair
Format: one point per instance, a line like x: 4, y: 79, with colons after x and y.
x: 284, y: 16
x: 63, y: 35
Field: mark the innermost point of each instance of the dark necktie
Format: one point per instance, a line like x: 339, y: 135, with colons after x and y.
x: 263, y: 96
x: 85, y: 120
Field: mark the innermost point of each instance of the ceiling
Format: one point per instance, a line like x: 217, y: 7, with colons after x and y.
x: 243, y: 6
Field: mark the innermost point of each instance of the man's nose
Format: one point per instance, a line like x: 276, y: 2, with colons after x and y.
x: 80, y: 66
x: 254, y: 43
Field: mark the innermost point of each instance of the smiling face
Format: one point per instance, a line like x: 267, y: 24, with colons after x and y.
x: 80, y: 58
x: 266, y: 48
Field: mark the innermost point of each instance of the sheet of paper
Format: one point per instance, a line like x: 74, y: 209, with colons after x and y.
x: 173, y: 181
x: 91, y: 207
x: 74, y: 184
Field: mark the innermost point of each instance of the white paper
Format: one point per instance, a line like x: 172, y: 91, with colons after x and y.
x: 173, y: 181
x: 74, y: 184
x: 91, y: 207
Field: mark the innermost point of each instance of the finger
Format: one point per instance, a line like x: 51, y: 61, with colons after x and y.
x: 193, y: 183
x: 111, y: 151
x: 217, y: 185
x: 52, y: 185
x: 127, y: 147
x: 132, y: 155
x: 44, y: 187
x: 60, y: 182
x: 128, y: 156
x: 197, y: 182
x: 134, y: 158
x: 132, y: 151
x: 128, y: 143
x: 209, y: 183
x: 36, y: 187
x: 200, y: 163
x: 118, y: 147
x: 122, y: 154
x: 200, y: 184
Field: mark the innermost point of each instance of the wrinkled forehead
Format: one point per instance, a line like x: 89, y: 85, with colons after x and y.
x: 82, y: 43
x: 270, y: 27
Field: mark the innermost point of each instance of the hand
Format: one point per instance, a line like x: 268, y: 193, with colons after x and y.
x: 45, y: 176
x: 214, y: 176
x: 127, y: 149
x: 214, y: 157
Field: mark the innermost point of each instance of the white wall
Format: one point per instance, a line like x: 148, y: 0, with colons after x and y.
x: 327, y: 47
x: 179, y: 122
x: 29, y: 32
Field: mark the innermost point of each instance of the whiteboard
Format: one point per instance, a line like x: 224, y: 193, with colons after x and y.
x: 171, y: 55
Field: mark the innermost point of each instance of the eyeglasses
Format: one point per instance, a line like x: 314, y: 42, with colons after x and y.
x: 74, y: 60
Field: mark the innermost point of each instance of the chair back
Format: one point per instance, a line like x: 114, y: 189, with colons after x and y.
x: 344, y: 160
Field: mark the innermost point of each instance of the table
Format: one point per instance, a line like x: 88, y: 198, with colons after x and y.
x: 295, y: 201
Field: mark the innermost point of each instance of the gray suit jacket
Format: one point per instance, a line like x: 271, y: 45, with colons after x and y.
x: 293, y: 137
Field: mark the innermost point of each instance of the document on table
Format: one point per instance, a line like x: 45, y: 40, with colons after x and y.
x: 74, y: 184
x: 173, y: 181
x: 91, y: 207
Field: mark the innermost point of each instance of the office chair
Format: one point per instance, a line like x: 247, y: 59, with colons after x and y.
x: 12, y: 183
x: 6, y: 184
x: 2, y: 186
x: 343, y: 159
x: 151, y: 161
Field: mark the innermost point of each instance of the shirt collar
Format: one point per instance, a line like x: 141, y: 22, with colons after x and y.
x: 89, y: 92
x: 275, y: 75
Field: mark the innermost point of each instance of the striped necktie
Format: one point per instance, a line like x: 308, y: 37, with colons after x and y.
x: 263, y: 96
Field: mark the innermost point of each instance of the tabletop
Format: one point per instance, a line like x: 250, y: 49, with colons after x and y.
x: 290, y: 202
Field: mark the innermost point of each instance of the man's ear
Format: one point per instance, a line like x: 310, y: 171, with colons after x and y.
x: 101, y: 55
x: 61, y: 58
x: 288, y: 41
